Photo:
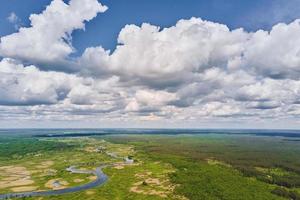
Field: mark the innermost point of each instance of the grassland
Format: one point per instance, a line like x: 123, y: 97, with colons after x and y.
x: 165, y: 167
x: 226, y: 167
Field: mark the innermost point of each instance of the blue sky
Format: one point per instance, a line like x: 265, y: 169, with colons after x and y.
x: 180, y: 63
x: 103, y: 30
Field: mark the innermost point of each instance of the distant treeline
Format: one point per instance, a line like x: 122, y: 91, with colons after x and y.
x: 271, y: 133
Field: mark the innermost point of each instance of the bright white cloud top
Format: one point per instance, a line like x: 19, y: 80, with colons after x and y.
x: 49, y: 38
x: 194, y: 71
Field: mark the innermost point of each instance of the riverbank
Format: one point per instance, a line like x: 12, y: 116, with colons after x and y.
x: 101, y: 179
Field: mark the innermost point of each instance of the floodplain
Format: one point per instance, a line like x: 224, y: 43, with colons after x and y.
x: 153, y: 166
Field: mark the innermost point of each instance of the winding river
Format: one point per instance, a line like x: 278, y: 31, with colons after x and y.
x: 101, y: 178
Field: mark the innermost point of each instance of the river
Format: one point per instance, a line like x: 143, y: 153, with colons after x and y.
x: 101, y: 178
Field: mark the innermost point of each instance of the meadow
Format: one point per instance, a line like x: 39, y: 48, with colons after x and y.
x: 181, y: 166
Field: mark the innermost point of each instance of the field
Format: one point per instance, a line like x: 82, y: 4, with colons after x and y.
x: 183, y: 166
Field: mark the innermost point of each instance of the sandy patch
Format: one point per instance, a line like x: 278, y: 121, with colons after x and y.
x: 56, y: 184
x: 50, y: 172
x: 139, y: 190
x: 4, y: 184
x: 90, y: 149
x: 9, y: 179
x: 143, y: 175
x: 14, y: 176
x: 78, y: 180
x: 155, y: 181
x: 36, y: 171
x: 158, y: 185
x: 119, y: 167
x: 21, y: 182
x: 13, y: 171
x: 45, y: 164
x: 212, y: 161
x: 24, y: 189
x: 92, y: 178
x: 90, y: 192
x: 44, y: 172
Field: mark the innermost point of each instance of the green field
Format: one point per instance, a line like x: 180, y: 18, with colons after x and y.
x: 165, y: 166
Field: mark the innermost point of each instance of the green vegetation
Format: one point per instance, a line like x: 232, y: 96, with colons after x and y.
x: 19, y: 147
x: 226, y: 167
x: 166, y: 167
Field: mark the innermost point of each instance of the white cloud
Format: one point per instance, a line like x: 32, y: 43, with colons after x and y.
x: 48, y: 39
x: 180, y: 52
x: 192, y: 71
x: 13, y: 18
x: 218, y: 109
x: 20, y: 85
x: 56, y: 95
x: 154, y: 97
x: 149, y: 100
x: 148, y: 52
x: 275, y: 53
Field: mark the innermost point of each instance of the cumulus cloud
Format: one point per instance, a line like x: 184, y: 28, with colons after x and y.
x: 150, y: 100
x: 203, y: 62
x: 28, y: 92
x: 48, y: 39
x: 276, y: 53
x: 172, y: 54
x: 218, y: 109
x: 192, y: 46
x: 29, y: 86
x: 192, y: 71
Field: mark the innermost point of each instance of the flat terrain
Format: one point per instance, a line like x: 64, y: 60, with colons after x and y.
x: 181, y: 166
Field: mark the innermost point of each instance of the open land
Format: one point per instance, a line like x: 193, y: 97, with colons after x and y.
x: 176, y: 166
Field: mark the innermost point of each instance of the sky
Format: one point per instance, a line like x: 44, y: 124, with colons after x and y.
x: 150, y: 64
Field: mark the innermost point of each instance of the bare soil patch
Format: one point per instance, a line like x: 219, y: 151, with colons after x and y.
x: 45, y: 164
x: 14, y: 176
x: 24, y: 189
x: 92, y: 178
x: 151, y: 185
x: 119, y: 167
x: 78, y: 180
x: 56, y: 184
x: 90, y: 192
